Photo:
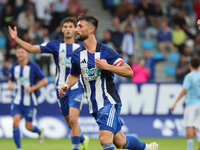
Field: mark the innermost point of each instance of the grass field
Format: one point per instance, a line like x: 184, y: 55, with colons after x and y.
x: 65, y: 144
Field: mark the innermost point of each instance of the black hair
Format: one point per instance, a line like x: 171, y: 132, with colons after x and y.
x: 69, y: 19
x: 90, y: 19
x: 195, y: 61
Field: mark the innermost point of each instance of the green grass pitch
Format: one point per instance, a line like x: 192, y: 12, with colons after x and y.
x: 65, y: 144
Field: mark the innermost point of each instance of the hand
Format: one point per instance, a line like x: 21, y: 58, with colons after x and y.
x: 62, y: 90
x: 173, y: 107
x: 101, y: 64
x: 29, y: 89
x: 198, y: 23
x: 13, y: 33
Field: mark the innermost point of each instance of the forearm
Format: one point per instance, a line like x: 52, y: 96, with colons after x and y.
x: 183, y: 92
x: 124, y: 70
x: 28, y: 47
x: 10, y: 85
x: 40, y: 84
x: 71, y: 80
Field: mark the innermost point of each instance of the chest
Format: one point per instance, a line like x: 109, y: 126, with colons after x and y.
x: 23, y: 74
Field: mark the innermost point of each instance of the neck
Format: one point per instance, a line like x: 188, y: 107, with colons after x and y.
x: 90, y: 47
x: 193, y: 69
x: 69, y: 40
x: 23, y: 63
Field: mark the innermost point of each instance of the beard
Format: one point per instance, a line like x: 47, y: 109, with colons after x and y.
x: 82, y: 37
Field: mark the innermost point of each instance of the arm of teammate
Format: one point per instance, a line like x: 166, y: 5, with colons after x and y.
x: 183, y: 92
x: 40, y: 84
x: 71, y: 81
x: 124, y: 70
x: 10, y: 84
x: 198, y: 24
x: 28, y: 47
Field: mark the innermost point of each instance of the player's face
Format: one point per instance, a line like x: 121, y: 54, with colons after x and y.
x: 21, y: 54
x: 82, y: 30
x: 68, y: 29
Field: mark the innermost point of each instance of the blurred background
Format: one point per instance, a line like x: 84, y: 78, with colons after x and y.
x: 157, y: 38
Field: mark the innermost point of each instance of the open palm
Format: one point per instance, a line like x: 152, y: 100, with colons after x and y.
x: 13, y: 33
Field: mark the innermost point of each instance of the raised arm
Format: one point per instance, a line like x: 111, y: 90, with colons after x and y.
x: 71, y: 81
x: 124, y: 70
x: 28, y: 47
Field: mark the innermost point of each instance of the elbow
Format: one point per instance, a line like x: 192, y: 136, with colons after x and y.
x: 129, y: 73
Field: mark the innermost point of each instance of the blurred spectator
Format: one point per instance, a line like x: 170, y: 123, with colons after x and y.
x: 182, y: 69
x: 143, y: 5
x: 123, y: 9
x: 196, y: 8
x: 42, y: 10
x: 18, y: 6
x: 150, y: 63
x: 2, y: 5
x: 10, y: 49
x: 131, y: 61
x: 141, y: 73
x: 60, y: 6
x: 25, y: 20
x: 197, y: 45
x: 141, y: 21
x: 107, y: 40
x: 7, y: 19
x: 152, y: 30
x: 188, y: 53
x: 165, y: 38
x: 155, y: 9
x: 180, y: 20
x: 128, y: 42
x: 75, y: 8
x: 173, y: 10
x: 178, y: 38
x: 129, y: 19
x: 115, y: 32
x: 5, y: 70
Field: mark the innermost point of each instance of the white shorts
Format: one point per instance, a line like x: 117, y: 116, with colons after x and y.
x: 192, y: 116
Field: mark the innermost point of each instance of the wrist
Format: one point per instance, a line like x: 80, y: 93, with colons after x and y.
x: 66, y: 85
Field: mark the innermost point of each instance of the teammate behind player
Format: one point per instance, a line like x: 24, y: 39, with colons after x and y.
x: 191, y: 88
x: 70, y: 105
x: 96, y: 63
x: 24, y: 73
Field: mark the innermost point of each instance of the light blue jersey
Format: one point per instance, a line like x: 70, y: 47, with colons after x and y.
x: 192, y: 84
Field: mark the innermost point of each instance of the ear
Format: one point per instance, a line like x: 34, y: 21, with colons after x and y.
x: 91, y: 30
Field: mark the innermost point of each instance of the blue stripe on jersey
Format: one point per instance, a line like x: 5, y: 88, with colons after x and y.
x: 22, y: 87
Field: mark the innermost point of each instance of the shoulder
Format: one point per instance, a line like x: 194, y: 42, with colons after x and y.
x: 33, y: 64
x: 106, y: 49
x: 52, y: 43
x: 14, y: 65
x: 188, y: 76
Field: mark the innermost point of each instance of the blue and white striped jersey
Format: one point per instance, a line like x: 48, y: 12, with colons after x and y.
x: 25, y: 77
x: 99, y: 86
x: 62, y: 56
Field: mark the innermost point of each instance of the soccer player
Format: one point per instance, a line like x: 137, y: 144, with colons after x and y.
x: 191, y: 88
x: 62, y: 49
x: 24, y: 73
x: 96, y: 63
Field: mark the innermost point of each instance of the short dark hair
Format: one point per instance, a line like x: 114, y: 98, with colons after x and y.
x: 69, y: 19
x: 195, y: 61
x: 91, y: 19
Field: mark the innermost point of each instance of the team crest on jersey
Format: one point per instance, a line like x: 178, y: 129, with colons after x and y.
x: 90, y: 74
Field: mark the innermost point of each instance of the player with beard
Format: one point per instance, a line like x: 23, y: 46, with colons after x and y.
x: 95, y: 63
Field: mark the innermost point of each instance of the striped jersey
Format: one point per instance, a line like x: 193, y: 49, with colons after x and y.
x: 98, y: 84
x: 192, y: 84
x: 62, y: 56
x: 25, y: 76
